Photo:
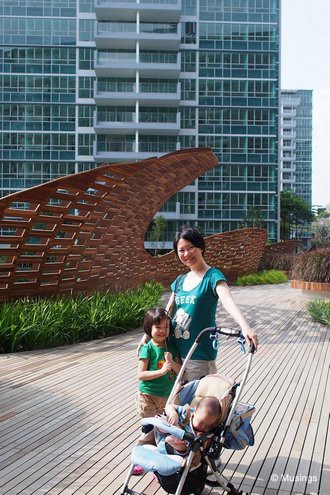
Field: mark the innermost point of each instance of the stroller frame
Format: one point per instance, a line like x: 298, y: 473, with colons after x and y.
x: 213, y: 452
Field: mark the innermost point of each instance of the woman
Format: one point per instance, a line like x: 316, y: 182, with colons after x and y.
x: 194, y: 302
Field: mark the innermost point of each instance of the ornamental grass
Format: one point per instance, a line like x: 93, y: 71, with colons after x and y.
x: 313, y: 266
x: 320, y: 311
x: 28, y: 324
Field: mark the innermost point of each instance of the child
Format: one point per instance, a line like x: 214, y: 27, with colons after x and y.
x: 197, y: 421
x: 159, y: 362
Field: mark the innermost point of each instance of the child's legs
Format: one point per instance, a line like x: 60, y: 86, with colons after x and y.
x: 148, y: 407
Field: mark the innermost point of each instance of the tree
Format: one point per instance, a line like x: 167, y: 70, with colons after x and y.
x: 158, y: 229
x: 253, y: 218
x: 295, y: 214
x: 321, y: 232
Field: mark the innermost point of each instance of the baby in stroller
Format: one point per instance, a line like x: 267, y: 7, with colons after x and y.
x: 203, y: 417
x: 198, y: 421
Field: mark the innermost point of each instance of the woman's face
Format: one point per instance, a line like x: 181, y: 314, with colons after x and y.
x: 189, y: 254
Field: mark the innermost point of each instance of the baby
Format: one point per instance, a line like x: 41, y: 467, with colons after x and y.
x: 197, y: 421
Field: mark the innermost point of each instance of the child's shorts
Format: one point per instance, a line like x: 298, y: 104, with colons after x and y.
x: 150, y: 405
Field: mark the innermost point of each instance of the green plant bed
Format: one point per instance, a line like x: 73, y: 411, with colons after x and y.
x: 42, y: 323
x: 320, y: 311
x: 260, y: 278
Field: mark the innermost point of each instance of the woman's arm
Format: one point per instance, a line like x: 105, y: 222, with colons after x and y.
x: 145, y: 375
x: 231, y: 307
x: 176, y: 365
x: 144, y: 340
x: 170, y: 305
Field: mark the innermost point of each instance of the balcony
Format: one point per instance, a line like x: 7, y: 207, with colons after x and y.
x: 125, y: 152
x: 150, y: 10
x: 151, y: 93
x: 149, y: 64
x: 124, y: 35
x: 126, y: 123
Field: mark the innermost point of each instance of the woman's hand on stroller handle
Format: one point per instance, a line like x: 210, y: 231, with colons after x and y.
x: 230, y: 332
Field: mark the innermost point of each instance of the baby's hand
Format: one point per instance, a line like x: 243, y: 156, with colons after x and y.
x: 172, y: 417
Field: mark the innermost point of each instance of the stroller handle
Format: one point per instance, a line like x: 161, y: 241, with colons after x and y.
x: 168, y: 428
x: 224, y: 331
x: 212, y: 330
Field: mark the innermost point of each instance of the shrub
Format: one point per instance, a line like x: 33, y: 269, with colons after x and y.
x: 320, y: 311
x: 313, y: 266
x: 265, y: 277
x: 274, y: 261
x: 41, y: 323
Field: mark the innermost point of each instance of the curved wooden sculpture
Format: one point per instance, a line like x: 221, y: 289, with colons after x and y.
x: 85, y: 232
x: 235, y: 253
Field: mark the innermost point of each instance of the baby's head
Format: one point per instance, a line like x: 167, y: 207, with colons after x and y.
x: 206, y: 415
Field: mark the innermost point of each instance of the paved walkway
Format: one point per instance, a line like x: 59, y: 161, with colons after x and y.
x: 68, y: 421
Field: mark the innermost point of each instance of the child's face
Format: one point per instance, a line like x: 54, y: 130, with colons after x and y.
x: 161, y: 331
x: 202, y: 422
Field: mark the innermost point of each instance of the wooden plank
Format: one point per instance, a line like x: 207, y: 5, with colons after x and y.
x: 69, y: 420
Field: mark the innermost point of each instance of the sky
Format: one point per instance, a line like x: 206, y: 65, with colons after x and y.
x: 305, y: 64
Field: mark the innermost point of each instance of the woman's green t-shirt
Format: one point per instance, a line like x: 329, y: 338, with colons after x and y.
x: 195, y: 310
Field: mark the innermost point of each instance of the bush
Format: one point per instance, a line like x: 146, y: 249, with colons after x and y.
x: 274, y: 261
x: 42, y: 323
x: 265, y: 277
x: 313, y: 266
x: 320, y: 311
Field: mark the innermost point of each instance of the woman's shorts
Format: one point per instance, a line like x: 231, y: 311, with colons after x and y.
x: 196, y: 369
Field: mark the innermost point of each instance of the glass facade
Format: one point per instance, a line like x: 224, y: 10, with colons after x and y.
x: 87, y: 82
x: 228, y: 82
x: 296, y: 142
x: 46, y: 91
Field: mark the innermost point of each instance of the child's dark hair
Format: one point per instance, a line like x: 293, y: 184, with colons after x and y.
x: 190, y: 234
x: 153, y: 317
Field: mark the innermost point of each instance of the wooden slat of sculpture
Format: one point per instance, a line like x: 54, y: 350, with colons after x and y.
x: 85, y: 232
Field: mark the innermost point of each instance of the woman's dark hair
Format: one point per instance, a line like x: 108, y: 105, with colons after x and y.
x: 153, y: 317
x: 190, y: 234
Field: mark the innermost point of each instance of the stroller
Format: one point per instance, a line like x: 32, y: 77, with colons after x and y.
x: 180, y: 475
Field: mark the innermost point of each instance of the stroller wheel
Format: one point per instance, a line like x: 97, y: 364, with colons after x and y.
x: 233, y: 490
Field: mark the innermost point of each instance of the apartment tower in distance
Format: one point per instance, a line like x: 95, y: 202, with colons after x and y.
x: 130, y: 79
x: 296, y: 142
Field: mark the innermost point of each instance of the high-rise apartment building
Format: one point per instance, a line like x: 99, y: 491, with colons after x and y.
x: 46, y: 90
x: 296, y: 142
x: 129, y: 79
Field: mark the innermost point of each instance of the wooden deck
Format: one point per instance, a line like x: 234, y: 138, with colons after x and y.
x: 68, y: 420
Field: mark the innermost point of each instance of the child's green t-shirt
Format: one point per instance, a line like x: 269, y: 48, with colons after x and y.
x: 195, y: 310
x: 161, y: 386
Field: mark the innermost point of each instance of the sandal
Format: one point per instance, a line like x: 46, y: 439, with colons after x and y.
x: 137, y: 470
